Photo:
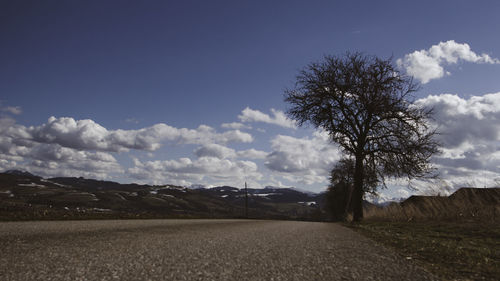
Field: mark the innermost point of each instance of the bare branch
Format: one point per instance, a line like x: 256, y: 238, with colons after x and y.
x: 366, y: 106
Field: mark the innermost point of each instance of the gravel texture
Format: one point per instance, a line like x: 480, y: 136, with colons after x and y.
x: 195, y: 250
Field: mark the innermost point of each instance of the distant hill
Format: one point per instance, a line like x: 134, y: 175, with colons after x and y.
x: 26, y: 196
x: 20, y: 173
x: 462, y: 197
x: 476, y: 196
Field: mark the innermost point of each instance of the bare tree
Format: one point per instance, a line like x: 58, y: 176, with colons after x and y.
x: 339, y: 193
x: 343, y: 172
x: 365, y: 104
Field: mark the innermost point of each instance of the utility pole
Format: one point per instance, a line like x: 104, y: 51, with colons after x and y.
x: 246, y: 200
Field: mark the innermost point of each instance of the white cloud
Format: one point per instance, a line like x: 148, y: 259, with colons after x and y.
x: 185, y: 171
x: 54, y: 160
x: 460, y: 120
x: 18, y: 151
x: 5, y: 124
x: 303, y: 160
x: 426, y: 65
x: 69, y: 147
x: 469, y: 131
x: 88, y: 135
x: 16, y: 110
x: 222, y: 152
x: 252, y: 154
x: 215, y: 150
x: 232, y: 136
x: 50, y: 160
x: 470, y: 135
x: 469, y: 127
x: 235, y: 126
x: 279, y: 118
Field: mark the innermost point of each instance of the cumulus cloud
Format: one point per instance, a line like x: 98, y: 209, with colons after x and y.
x: 19, y: 151
x: 54, y: 160
x: 426, y: 65
x: 232, y: 136
x: 69, y: 147
x: 215, y: 150
x: 252, y: 154
x: 304, y: 160
x: 89, y: 135
x: 185, y: 171
x: 463, y: 120
x: 50, y: 160
x: 278, y: 117
x: 215, y: 164
x: 5, y: 124
x: 469, y: 132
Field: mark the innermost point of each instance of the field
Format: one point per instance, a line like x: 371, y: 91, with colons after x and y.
x: 455, y: 237
x: 450, y: 250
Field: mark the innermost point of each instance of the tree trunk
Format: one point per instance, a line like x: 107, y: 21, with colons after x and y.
x: 357, y: 199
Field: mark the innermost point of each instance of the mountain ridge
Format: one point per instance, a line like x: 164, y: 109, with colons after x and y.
x: 32, y: 197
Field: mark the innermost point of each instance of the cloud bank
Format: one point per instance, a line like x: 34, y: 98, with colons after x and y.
x: 469, y: 132
x: 88, y: 135
x: 212, y: 169
x: 19, y: 151
x: 303, y: 160
x: 68, y: 147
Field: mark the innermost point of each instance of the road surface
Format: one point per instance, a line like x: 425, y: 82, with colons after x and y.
x: 195, y: 250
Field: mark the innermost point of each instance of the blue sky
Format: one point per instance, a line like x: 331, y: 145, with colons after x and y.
x: 129, y: 83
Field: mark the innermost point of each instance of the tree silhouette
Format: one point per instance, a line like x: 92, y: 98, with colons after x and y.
x: 339, y: 193
x: 365, y: 104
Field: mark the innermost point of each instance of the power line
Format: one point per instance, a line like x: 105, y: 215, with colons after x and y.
x: 246, y: 201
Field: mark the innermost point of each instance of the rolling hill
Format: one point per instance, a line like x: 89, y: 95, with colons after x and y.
x: 27, y: 196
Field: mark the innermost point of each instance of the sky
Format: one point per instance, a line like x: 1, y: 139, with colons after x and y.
x: 191, y: 92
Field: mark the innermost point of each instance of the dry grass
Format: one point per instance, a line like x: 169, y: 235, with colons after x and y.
x: 430, y: 211
x: 455, y: 237
x: 467, y: 204
x: 452, y: 251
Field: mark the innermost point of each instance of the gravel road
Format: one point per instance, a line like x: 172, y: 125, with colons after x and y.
x: 195, y: 250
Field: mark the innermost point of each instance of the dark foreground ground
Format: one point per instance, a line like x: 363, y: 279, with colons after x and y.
x: 195, y: 250
x: 450, y: 250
